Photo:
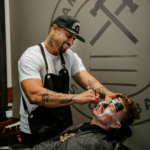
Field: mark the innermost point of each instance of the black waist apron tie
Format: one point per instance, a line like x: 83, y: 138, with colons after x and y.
x: 48, y: 122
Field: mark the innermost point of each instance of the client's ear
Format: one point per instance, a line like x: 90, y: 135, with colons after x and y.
x: 116, y: 126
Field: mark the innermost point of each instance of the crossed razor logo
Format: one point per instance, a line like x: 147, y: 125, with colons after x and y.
x: 100, y: 5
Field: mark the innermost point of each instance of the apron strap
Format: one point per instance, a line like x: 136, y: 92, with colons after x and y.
x: 42, y: 50
x: 61, y: 56
x: 25, y: 107
x: 62, y: 60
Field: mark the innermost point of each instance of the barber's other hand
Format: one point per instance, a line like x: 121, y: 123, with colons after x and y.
x: 110, y: 96
x: 86, y: 97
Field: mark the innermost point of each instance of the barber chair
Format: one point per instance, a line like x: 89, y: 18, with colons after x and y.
x: 117, y: 136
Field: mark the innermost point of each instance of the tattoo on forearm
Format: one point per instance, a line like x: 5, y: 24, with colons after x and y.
x: 67, y: 101
x: 91, y: 83
x: 50, y: 41
x: 45, y: 98
x: 103, y: 92
x: 62, y: 95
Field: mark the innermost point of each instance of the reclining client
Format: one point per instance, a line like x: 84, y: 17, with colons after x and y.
x: 117, y: 112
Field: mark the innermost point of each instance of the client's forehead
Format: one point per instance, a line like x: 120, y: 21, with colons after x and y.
x: 124, y: 109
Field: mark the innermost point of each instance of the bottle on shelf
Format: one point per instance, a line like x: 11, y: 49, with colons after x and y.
x: 8, y: 111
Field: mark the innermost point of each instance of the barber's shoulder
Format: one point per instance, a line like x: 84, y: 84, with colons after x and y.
x: 32, y: 54
x: 71, y: 54
x: 33, y: 51
x: 68, y: 52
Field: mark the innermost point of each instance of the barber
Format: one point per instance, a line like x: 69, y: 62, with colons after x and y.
x: 44, y: 74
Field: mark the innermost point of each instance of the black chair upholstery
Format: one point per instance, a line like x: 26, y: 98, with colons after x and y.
x: 118, y: 136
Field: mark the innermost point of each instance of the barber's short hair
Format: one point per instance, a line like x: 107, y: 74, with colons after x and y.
x: 131, y: 112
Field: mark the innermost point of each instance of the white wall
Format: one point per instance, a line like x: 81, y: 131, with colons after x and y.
x: 8, y: 44
x: 121, y: 49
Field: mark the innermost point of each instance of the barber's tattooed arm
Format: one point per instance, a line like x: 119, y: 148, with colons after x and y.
x: 91, y: 83
x: 53, y: 99
x: 101, y: 90
x: 67, y: 101
x: 45, y: 97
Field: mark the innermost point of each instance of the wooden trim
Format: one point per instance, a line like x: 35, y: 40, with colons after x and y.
x: 10, y: 94
x: 9, y: 131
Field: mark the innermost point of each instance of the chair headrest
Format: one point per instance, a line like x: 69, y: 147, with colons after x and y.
x: 121, y: 134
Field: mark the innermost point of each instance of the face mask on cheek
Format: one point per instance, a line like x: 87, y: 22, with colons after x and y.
x: 112, y: 114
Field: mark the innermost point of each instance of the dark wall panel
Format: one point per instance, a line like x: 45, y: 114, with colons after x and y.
x: 3, y: 75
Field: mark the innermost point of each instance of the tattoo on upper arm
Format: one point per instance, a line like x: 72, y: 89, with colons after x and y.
x: 45, y: 98
x: 67, y: 101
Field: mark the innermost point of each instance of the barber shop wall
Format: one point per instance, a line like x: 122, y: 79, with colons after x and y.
x: 116, y: 51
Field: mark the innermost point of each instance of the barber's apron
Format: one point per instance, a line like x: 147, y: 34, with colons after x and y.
x: 51, y: 120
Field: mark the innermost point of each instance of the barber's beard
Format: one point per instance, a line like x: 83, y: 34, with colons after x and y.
x: 61, y: 49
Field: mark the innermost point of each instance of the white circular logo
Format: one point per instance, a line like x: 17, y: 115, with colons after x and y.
x: 117, y: 48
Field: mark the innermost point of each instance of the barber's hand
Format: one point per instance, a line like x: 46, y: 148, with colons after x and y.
x: 110, y: 96
x: 96, y: 101
x: 86, y: 97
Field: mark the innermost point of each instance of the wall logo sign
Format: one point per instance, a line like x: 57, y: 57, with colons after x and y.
x: 98, y: 7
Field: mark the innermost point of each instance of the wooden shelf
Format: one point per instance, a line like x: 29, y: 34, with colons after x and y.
x: 7, y: 136
x: 8, y: 132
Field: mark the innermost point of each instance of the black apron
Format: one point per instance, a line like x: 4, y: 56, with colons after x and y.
x: 51, y: 121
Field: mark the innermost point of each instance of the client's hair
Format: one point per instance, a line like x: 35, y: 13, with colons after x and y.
x: 131, y: 113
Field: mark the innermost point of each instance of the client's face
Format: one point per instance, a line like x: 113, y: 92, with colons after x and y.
x: 108, y: 112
